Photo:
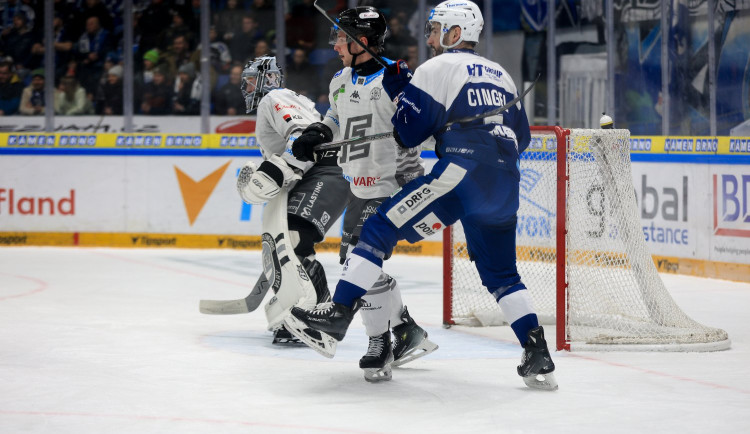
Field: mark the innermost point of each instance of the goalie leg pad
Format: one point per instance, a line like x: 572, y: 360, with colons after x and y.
x: 286, y: 275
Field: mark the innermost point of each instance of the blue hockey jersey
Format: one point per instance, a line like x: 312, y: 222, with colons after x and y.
x: 458, y: 84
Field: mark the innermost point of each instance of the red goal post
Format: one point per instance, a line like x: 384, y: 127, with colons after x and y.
x: 604, y: 293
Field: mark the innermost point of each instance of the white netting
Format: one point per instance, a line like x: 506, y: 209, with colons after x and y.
x: 615, y: 295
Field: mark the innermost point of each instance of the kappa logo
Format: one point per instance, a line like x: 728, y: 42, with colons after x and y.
x: 429, y: 225
x: 354, y: 95
x: 195, y: 194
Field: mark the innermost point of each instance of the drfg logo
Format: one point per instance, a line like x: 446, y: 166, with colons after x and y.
x: 731, y: 217
x: 414, y: 200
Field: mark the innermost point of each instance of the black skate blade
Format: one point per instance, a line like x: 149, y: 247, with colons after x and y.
x: 424, y: 348
x: 282, y: 337
x: 319, y: 341
x: 541, y: 381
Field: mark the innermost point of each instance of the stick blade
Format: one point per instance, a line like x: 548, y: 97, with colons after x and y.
x: 223, y: 307
x: 242, y: 305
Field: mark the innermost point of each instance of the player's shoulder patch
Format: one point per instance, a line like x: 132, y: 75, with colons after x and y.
x: 341, y: 71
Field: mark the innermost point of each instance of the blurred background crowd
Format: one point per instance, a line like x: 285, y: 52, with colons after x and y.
x: 88, y: 46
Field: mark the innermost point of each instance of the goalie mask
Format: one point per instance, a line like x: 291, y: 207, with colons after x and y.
x: 464, y: 14
x: 260, y: 76
x: 362, y: 21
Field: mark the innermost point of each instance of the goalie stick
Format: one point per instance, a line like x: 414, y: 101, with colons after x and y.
x: 242, y: 305
x: 282, y: 272
x: 389, y: 134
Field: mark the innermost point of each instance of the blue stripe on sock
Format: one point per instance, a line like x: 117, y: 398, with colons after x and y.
x: 347, y: 292
x: 522, y: 326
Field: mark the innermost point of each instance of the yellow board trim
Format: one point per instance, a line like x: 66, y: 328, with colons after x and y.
x: 665, y: 264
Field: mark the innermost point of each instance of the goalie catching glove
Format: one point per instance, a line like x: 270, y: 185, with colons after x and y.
x: 259, y: 184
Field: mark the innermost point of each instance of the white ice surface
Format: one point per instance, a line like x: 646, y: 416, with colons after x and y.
x: 111, y: 341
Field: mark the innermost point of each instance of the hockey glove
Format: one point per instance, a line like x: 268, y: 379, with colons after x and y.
x: 261, y: 184
x: 315, y: 134
x: 397, y: 76
x: 397, y: 138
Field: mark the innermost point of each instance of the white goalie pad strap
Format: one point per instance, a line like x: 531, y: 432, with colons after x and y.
x: 516, y: 305
x: 379, y: 306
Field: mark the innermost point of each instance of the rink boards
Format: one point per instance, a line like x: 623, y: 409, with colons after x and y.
x: 167, y: 190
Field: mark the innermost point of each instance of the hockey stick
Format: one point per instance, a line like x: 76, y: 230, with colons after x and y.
x: 242, y: 305
x: 369, y: 51
x: 389, y: 134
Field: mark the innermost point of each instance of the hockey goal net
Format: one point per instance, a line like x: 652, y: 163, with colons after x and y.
x: 604, y: 293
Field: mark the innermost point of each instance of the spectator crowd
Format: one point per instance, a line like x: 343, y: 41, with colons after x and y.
x: 88, y: 50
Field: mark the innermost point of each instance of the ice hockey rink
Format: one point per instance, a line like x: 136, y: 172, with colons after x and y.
x: 111, y: 341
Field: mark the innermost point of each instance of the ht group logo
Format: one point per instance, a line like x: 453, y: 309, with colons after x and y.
x: 730, y: 208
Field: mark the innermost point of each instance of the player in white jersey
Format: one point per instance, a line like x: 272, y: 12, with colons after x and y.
x: 359, y: 107
x: 475, y: 181
x: 315, y: 200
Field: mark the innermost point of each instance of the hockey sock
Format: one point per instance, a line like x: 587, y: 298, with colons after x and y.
x: 518, y: 309
x: 522, y: 326
x: 361, y: 270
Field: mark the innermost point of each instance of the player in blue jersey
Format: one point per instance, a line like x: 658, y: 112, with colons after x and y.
x: 476, y: 181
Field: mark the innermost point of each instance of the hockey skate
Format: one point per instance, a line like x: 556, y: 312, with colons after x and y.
x: 377, y: 361
x: 322, y: 327
x: 410, y: 341
x: 283, y: 337
x: 536, y: 366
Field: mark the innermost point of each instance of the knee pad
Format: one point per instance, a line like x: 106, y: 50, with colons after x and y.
x: 304, y: 236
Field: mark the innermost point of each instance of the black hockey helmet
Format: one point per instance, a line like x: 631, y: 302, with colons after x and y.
x: 363, y: 21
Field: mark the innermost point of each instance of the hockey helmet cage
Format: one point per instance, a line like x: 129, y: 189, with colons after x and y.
x: 465, y: 14
x: 260, y: 76
x: 362, y: 21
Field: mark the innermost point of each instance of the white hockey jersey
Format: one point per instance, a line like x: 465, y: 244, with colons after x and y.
x: 359, y: 107
x: 281, y: 116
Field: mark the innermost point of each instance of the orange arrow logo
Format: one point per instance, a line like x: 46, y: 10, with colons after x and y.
x: 196, y: 194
